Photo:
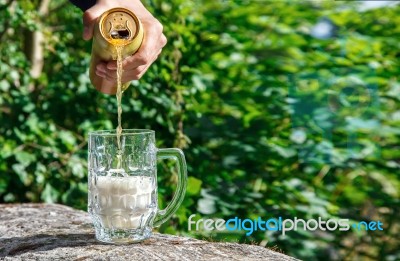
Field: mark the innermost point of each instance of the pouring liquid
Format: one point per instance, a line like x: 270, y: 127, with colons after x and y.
x: 119, y: 50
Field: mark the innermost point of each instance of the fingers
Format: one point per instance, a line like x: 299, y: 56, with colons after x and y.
x: 148, y: 51
x: 101, y: 70
x: 138, y: 72
x: 89, y: 19
x: 127, y: 75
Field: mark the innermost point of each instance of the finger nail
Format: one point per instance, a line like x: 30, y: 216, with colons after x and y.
x: 111, y: 67
x: 100, y: 73
x: 101, y: 68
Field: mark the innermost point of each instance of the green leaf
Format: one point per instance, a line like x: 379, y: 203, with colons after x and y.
x: 67, y: 138
x: 194, y: 186
x: 50, y: 194
x: 25, y: 158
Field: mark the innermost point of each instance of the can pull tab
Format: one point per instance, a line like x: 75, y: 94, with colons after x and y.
x: 120, y: 31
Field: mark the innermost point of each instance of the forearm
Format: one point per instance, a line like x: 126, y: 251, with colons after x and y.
x: 86, y: 4
x: 83, y: 5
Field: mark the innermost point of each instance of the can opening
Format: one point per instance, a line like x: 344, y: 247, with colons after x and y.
x: 120, y: 34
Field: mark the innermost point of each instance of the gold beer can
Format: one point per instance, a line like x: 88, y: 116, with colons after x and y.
x: 117, y: 26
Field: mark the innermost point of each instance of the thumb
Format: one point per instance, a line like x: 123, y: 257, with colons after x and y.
x: 89, y: 20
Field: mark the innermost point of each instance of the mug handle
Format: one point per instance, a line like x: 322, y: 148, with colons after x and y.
x: 179, y: 157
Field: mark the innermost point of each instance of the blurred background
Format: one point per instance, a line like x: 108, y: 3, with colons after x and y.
x: 288, y: 110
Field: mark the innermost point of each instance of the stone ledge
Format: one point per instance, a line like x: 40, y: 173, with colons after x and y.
x: 56, y: 232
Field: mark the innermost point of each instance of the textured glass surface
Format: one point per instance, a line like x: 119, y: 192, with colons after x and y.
x: 123, y: 185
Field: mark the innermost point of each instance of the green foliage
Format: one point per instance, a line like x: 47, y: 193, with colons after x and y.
x: 273, y: 121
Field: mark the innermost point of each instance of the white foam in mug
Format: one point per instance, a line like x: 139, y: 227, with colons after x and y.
x: 124, y: 202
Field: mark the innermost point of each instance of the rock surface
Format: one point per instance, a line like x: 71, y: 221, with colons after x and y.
x: 56, y: 232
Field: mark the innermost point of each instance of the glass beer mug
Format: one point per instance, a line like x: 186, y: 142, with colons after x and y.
x: 123, y: 184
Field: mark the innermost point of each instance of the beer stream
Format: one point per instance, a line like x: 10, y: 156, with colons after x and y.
x: 119, y: 49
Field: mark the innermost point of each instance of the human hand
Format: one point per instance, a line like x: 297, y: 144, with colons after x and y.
x: 154, y: 40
